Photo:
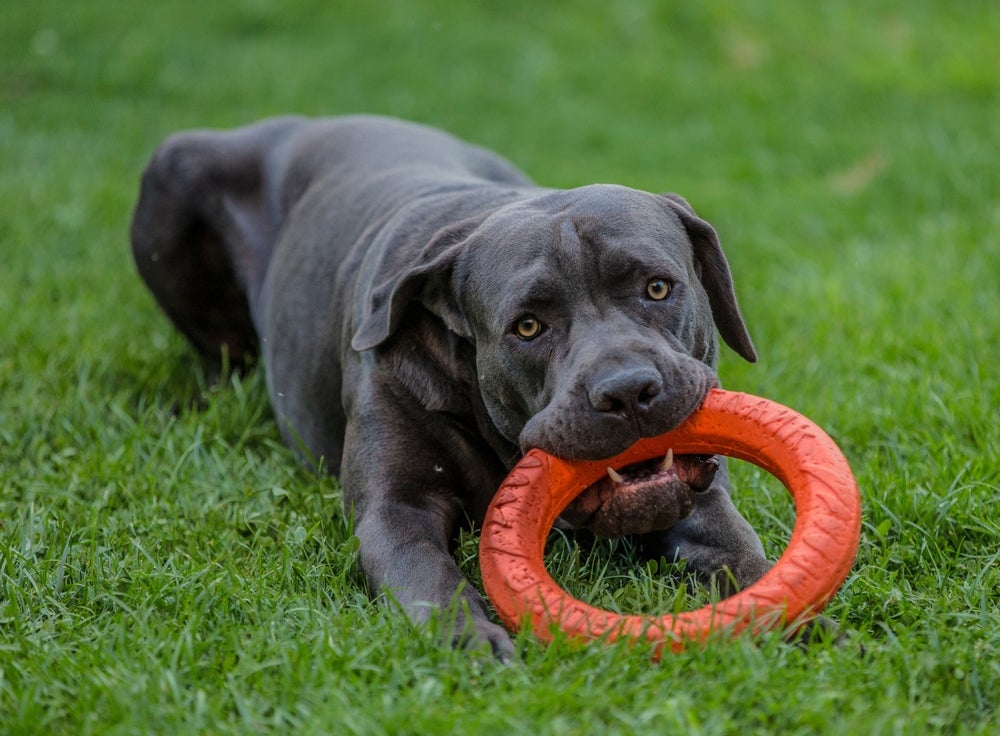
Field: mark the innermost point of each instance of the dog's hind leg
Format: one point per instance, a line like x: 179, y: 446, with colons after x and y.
x: 207, y: 219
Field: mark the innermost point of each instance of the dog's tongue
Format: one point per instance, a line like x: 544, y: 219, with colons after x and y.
x: 642, y: 498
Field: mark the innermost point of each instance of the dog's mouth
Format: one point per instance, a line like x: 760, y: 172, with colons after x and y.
x: 649, y: 496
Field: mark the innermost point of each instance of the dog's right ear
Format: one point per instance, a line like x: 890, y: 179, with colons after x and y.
x: 429, y: 281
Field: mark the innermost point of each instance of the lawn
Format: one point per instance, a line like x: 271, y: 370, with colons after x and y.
x: 167, y: 567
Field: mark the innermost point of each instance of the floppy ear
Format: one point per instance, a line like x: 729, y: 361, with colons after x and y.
x: 715, y: 278
x: 428, y: 281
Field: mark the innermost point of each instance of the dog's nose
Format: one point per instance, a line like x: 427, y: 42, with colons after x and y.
x: 627, y: 393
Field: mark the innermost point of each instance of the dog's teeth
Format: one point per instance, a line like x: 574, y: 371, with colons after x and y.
x: 615, y: 475
x: 668, y: 460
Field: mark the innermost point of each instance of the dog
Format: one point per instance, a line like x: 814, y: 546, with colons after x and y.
x: 425, y: 313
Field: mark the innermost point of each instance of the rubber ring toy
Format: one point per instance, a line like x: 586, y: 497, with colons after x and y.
x: 818, y: 558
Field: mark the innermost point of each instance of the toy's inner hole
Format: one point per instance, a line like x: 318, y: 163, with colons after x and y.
x: 619, y: 574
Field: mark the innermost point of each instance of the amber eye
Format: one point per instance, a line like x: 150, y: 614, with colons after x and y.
x: 658, y: 289
x: 528, y: 327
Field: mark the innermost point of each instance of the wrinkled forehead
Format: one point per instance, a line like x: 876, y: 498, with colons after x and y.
x: 561, y: 240
x: 611, y: 211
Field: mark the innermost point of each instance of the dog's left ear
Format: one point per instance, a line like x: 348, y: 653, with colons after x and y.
x: 427, y: 281
x: 715, y: 278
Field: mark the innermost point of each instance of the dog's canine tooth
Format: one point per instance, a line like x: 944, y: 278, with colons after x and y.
x: 617, y: 477
x: 668, y: 460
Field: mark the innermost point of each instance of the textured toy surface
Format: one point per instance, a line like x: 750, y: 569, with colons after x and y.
x: 818, y: 558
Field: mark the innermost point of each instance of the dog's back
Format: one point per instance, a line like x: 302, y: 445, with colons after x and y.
x: 213, y: 205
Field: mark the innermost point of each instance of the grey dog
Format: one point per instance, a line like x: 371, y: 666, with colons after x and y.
x: 425, y: 314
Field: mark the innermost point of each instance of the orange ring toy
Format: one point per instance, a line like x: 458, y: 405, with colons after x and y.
x: 819, y: 556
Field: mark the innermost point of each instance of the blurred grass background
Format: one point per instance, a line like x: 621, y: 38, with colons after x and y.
x: 166, y: 567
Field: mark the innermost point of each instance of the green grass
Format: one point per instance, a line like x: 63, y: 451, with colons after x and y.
x: 165, y: 566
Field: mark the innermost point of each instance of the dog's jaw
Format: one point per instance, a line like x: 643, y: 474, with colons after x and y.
x: 645, y: 497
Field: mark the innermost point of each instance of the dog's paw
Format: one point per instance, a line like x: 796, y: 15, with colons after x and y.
x: 483, y: 636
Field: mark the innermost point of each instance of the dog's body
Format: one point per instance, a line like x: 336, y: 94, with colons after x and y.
x: 425, y: 313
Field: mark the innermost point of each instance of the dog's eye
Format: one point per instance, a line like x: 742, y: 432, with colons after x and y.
x: 528, y: 327
x: 658, y: 289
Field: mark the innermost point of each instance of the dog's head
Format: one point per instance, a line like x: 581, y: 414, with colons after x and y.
x: 593, y: 313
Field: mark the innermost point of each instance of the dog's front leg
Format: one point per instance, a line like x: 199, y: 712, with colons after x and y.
x: 405, y: 516
x: 714, y: 541
x: 405, y: 556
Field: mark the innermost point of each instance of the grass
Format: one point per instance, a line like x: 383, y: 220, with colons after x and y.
x: 166, y: 567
